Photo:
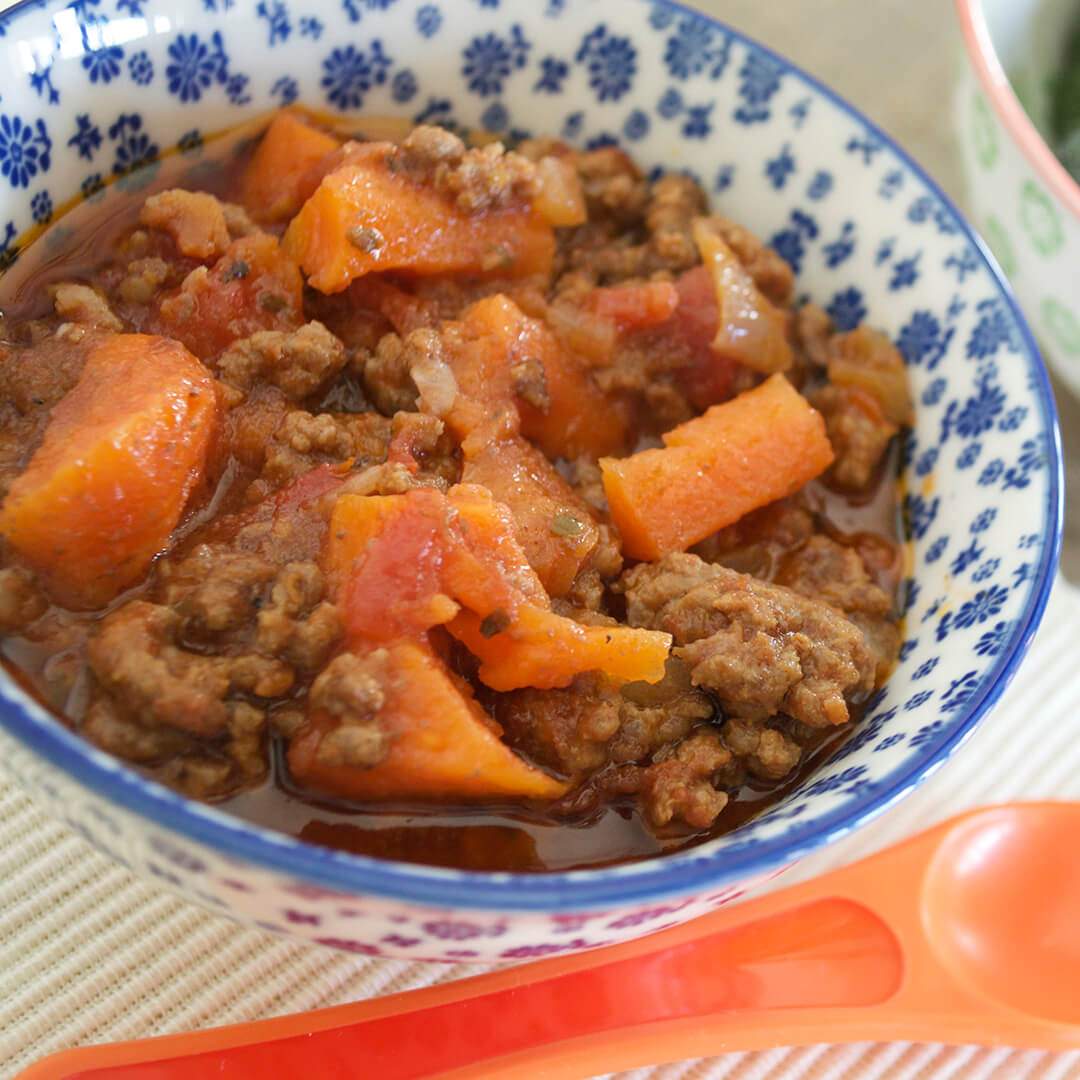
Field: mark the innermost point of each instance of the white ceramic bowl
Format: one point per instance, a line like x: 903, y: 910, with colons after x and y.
x: 90, y: 89
x: 1021, y: 198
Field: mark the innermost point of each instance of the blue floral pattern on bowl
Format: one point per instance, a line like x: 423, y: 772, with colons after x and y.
x: 101, y: 98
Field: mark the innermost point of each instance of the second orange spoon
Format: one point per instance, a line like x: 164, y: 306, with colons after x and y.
x: 966, y: 933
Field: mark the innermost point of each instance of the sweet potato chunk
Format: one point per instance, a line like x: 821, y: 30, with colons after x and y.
x: 280, y: 174
x: 121, y: 454
x: 542, y: 649
x: 756, y: 448
x: 502, y: 357
x: 440, y: 742
x: 552, y: 523
x: 364, y: 216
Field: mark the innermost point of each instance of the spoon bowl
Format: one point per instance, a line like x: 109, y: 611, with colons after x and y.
x: 1000, y: 902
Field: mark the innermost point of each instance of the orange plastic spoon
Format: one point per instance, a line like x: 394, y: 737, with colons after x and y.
x: 967, y: 933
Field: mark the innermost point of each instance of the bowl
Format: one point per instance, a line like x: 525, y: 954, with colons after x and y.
x: 870, y: 236
x: 1021, y: 197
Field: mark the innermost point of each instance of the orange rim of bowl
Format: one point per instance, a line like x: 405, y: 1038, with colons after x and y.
x: 988, y: 70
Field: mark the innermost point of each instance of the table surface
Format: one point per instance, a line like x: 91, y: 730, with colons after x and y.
x: 896, y: 60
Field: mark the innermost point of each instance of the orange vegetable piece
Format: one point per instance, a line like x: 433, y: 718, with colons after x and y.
x: 385, y: 557
x: 280, y: 174
x: 194, y: 219
x: 398, y: 564
x: 552, y: 523
x: 252, y: 287
x: 443, y: 744
x: 493, y: 348
x: 751, y: 329
x: 542, y: 649
x: 708, y: 377
x: 122, y: 452
x: 363, y: 217
x: 756, y: 448
x: 560, y: 199
x: 635, y: 307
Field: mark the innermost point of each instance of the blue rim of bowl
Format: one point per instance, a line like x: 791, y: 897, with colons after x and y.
x: 648, y: 881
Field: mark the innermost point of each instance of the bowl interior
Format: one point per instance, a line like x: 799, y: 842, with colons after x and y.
x: 94, y: 89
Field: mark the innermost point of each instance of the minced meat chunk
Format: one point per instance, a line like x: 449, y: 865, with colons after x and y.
x: 296, y: 623
x: 213, y: 588
x: 762, y: 649
x: 685, y: 781
x: 478, y: 179
x: 675, y: 201
x: 576, y: 730
x: 21, y: 602
x: 681, y: 784
x: 194, y: 219
x: 768, y: 753
x: 350, y: 690
x: 858, y: 431
x: 410, y: 373
x: 107, y: 727
x: 299, y: 362
x: 81, y: 304
x: 305, y: 440
x: 616, y: 194
x: 836, y: 574
x: 135, y: 657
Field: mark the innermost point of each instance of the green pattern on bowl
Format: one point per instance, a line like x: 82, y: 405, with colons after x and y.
x: 1032, y: 233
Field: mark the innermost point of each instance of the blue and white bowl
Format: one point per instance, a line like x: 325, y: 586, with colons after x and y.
x: 91, y: 89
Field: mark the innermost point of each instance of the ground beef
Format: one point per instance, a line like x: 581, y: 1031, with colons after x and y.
x: 386, y: 376
x: 644, y: 229
x: 81, y: 304
x: 767, y: 752
x: 304, y: 440
x: 430, y: 445
x: 298, y: 362
x: 836, y: 574
x: 296, y: 622
x: 107, y: 727
x: 762, y: 649
x: 576, y: 730
x: 675, y: 201
x: 529, y: 380
x: 214, y: 589
x: 858, y: 431
x: 409, y: 373
x: 21, y: 602
x: 32, y: 381
x: 616, y: 194
x: 135, y: 657
x: 350, y: 690
x: 194, y: 219
x: 682, y: 784
x: 478, y: 179
x: 145, y: 278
